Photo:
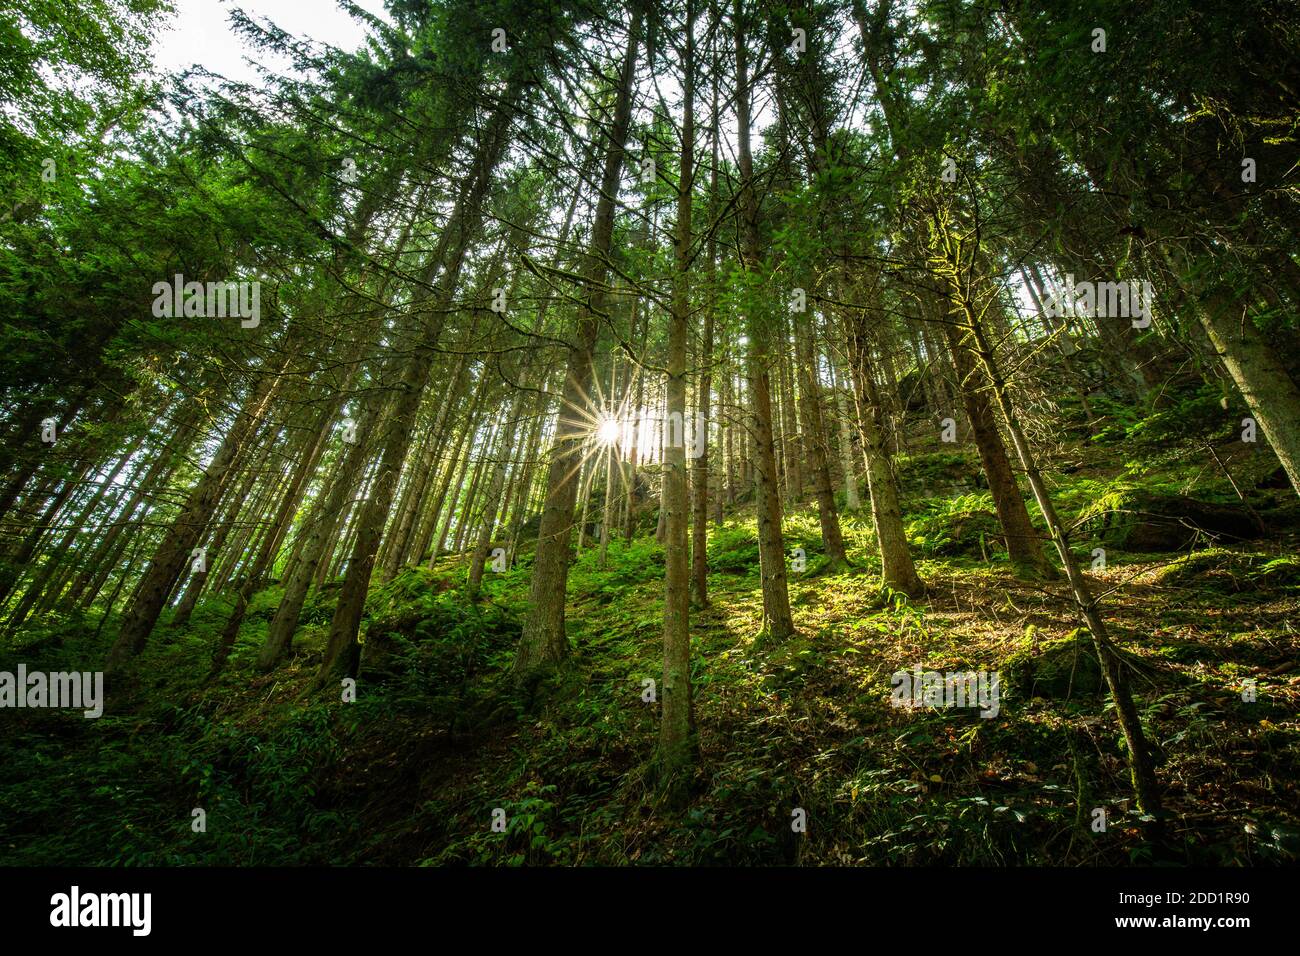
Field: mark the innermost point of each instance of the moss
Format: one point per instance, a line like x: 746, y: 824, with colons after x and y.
x: 1056, y: 670
x: 1147, y: 521
x: 733, y: 550
x: 1231, y: 572
x: 960, y: 527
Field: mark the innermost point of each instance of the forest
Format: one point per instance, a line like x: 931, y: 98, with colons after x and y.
x: 686, y: 433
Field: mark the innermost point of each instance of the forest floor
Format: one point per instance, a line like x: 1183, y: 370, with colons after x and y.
x: 438, y: 739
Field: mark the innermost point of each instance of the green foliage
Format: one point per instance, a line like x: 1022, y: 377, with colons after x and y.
x: 233, y: 183
x: 262, y: 605
x: 1193, y: 414
x: 259, y: 788
x: 965, y: 526
x: 1058, y: 669
x: 1231, y: 572
x: 937, y: 469
x: 1184, y: 413
x: 432, y: 646
x: 733, y: 549
x: 626, y: 566
x: 525, y: 841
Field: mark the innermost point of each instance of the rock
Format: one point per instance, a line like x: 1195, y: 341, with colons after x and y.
x: 1231, y: 572
x: 1159, y: 523
x: 1057, y: 670
x: 959, y: 535
x: 381, y: 645
x: 1276, y: 479
x: 964, y: 538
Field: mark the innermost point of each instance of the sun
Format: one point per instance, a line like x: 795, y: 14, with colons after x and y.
x: 608, y: 430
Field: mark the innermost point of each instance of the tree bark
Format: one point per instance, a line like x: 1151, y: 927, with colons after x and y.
x: 676, y: 751
x: 183, y: 535
x: 778, y: 623
x: 543, y: 642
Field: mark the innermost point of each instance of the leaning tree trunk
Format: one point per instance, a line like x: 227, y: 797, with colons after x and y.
x: 216, y: 546
x: 104, y: 558
x: 1257, y: 369
x: 36, y: 588
x: 313, y: 445
x: 1142, y: 770
x: 1023, y: 545
x: 184, y: 532
x: 342, y: 651
x: 488, y: 520
x: 317, y: 530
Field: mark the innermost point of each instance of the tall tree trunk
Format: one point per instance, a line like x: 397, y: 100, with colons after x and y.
x: 815, y: 433
x: 36, y: 588
x: 897, y: 570
x: 851, y: 501
x: 342, y: 650
x: 793, y: 437
x: 543, y: 642
x: 104, y: 558
x: 454, y: 477
x: 610, y: 463
x: 1113, y: 668
x: 1023, y: 545
x: 677, y: 728
x: 778, y: 623
x: 1258, y: 371
x: 215, y: 548
x: 318, y: 531
x: 488, y: 520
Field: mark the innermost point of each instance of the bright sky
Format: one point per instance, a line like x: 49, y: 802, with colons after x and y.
x: 201, y: 33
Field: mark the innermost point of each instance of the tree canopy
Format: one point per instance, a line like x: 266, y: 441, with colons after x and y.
x: 662, y: 404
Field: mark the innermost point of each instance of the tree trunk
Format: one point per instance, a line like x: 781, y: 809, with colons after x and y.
x: 1023, y: 545
x: 897, y: 570
x: 815, y: 441
x: 677, y: 745
x: 183, y: 535
x: 851, y: 500
x: 543, y: 642
x: 342, y: 650
x: 1142, y: 771
x: 1257, y: 369
x: 778, y: 623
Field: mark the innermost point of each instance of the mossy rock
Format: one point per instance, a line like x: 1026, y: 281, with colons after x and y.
x: 973, y: 535
x: 969, y: 534
x: 953, y: 469
x: 1281, y: 514
x: 263, y: 604
x: 420, y: 621
x: 1277, y: 478
x: 1148, y: 522
x: 1057, y: 670
x: 529, y: 529
x: 382, y: 640
x: 1231, y: 572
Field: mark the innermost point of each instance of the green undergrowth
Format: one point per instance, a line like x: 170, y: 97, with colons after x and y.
x: 439, y: 744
